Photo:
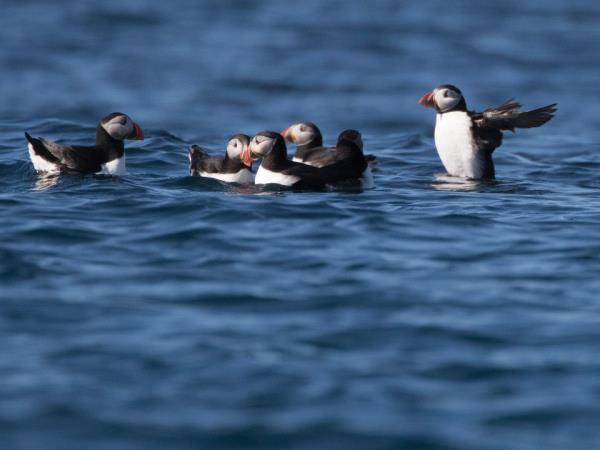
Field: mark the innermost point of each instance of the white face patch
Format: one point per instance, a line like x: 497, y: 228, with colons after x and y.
x: 302, y: 133
x: 261, y: 146
x: 446, y: 99
x: 119, y: 127
x: 235, y: 147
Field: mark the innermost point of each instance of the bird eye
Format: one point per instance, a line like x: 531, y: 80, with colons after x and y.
x: 302, y: 128
x: 123, y: 120
x: 235, y: 143
x: 446, y: 93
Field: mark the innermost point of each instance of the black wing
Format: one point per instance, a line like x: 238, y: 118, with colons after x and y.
x: 69, y: 158
x: 310, y: 177
x: 509, y: 116
x: 489, y: 124
x: 321, y: 157
x: 350, y: 164
x: 200, y: 161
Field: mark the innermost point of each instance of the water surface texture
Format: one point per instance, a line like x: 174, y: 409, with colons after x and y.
x: 161, y: 311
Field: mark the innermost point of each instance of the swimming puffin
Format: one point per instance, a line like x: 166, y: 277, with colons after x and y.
x: 349, y: 163
x: 308, y: 140
x: 465, y: 140
x: 229, y: 168
x: 309, y: 145
x: 106, y: 157
x: 275, y: 168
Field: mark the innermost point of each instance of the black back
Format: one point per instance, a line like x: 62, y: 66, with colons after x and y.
x: 351, y: 164
x: 201, y: 161
x: 350, y: 160
x: 305, y: 151
x: 79, y: 159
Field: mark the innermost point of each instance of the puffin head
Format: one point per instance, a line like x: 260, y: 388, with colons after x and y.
x: 262, y: 144
x: 236, y: 146
x: 444, y: 98
x: 352, y: 136
x: 303, y: 133
x: 119, y: 126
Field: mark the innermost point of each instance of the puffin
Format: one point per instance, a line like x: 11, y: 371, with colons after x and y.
x: 309, y: 145
x: 106, y: 157
x: 229, y: 168
x: 276, y: 168
x: 465, y: 140
x: 349, y: 164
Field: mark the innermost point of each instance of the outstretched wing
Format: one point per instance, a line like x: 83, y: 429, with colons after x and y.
x: 509, y: 116
x: 489, y: 124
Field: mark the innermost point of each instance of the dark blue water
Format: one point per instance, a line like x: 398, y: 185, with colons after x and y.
x: 164, y: 311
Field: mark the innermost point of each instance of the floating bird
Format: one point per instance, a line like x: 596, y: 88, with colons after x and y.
x: 465, y: 140
x: 309, y: 145
x: 276, y: 168
x: 106, y: 157
x: 229, y: 168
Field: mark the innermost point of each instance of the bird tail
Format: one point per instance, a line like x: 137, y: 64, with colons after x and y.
x: 31, y: 139
x: 38, y: 147
x: 196, y: 153
x: 197, y: 150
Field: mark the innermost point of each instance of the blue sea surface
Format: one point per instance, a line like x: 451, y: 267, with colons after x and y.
x: 163, y: 311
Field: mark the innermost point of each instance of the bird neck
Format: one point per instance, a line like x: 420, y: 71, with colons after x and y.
x: 277, y: 156
x: 460, y: 106
x: 103, y: 139
x: 301, y: 150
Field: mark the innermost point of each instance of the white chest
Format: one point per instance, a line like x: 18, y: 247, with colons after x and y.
x: 116, y: 167
x: 367, y: 179
x: 455, y: 146
x: 244, y: 176
x: 264, y: 176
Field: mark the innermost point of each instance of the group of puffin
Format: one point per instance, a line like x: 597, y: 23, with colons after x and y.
x: 312, y: 167
x: 465, y: 141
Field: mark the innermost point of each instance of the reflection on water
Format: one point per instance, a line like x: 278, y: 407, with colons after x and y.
x: 45, y: 181
x: 445, y: 182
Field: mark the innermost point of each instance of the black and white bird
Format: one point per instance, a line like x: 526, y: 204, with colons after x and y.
x: 350, y: 164
x: 309, y: 145
x: 229, y: 168
x: 276, y: 168
x: 106, y: 157
x: 465, y: 140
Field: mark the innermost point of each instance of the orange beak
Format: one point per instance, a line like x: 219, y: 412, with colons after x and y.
x: 139, y: 134
x: 246, y: 157
x: 284, y: 134
x: 427, y: 100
